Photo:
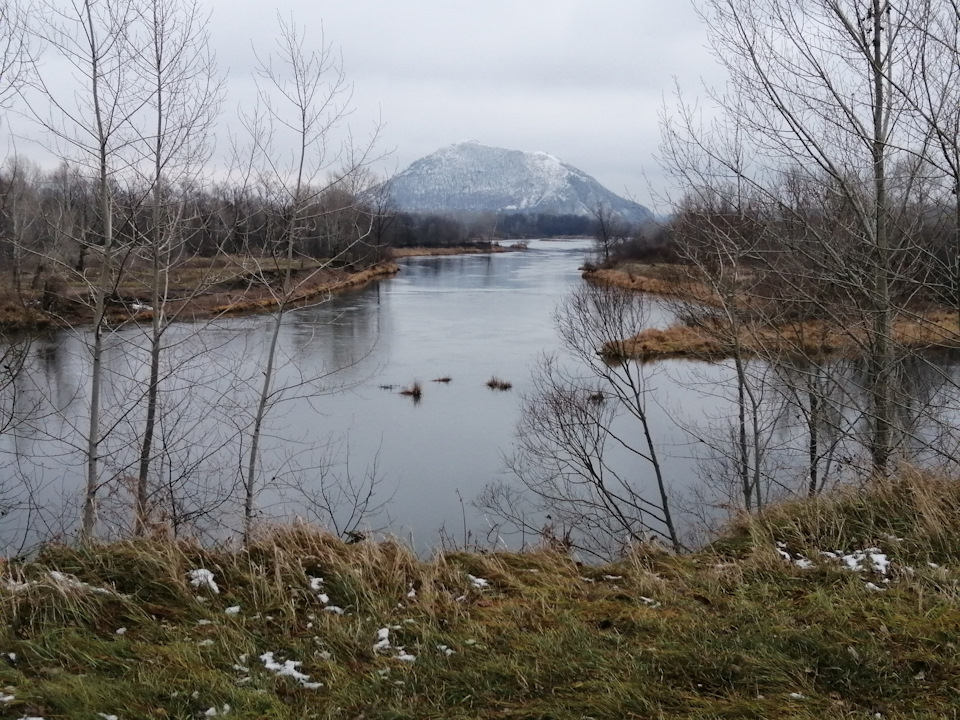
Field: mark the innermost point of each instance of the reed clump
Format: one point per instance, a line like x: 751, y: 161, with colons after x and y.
x: 496, y: 383
x: 415, y: 391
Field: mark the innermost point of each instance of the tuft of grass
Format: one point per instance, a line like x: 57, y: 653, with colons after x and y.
x: 733, y: 631
x: 444, y: 379
x: 415, y: 391
x: 496, y: 383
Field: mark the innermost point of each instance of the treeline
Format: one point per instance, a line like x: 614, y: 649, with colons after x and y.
x: 432, y: 230
x: 51, y: 219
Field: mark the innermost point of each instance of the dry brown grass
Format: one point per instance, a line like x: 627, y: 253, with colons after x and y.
x: 496, y: 383
x: 670, y: 281
x: 714, y: 341
x: 415, y: 391
x: 406, y: 252
x: 320, y: 283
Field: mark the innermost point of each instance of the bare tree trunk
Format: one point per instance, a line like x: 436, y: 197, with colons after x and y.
x: 882, y: 356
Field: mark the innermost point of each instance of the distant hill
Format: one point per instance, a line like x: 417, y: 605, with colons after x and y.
x: 473, y: 178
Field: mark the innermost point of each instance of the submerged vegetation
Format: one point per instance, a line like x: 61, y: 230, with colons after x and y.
x: 415, y: 391
x: 495, y: 383
x: 842, y: 607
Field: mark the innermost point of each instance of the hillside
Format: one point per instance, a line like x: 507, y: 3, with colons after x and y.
x: 838, y: 608
x: 474, y: 178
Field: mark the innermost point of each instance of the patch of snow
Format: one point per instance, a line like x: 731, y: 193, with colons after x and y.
x: 803, y: 563
x: 201, y: 623
x: 204, y: 578
x: 6, y: 698
x: 120, y: 631
x: 613, y: 577
x: 406, y: 657
x: 316, y: 584
x: 232, y: 610
x: 478, y: 582
x: 289, y: 669
x: 334, y: 609
x: 383, y: 639
x: 875, y: 588
x: 877, y: 560
x: 798, y: 696
x: 64, y: 581
x: 324, y: 598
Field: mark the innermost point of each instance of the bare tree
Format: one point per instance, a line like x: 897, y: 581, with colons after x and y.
x: 304, y: 102
x: 90, y: 123
x: 586, y: 454
x: 16, y: 49
x: 813, y: 106
x: 176, y: 65
x: 609, y: 232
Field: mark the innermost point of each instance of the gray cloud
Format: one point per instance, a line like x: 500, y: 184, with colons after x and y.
x: 581, y: 80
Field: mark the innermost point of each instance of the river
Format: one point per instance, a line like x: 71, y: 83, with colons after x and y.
x: 343, y: 362
x: 340, y: 435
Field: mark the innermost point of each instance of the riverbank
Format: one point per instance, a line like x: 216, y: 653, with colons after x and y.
x: 484, y: 249
x: 198, y: 289
x: 201, y: 288
x: 841, y: 607
x: 716, y: 339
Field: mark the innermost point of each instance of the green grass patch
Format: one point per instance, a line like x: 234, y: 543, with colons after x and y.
x: 760, y: 625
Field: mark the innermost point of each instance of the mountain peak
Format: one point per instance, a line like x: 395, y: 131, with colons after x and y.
x: 471, y: 177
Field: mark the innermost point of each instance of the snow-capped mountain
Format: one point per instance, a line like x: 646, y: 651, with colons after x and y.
x: 470, y: 177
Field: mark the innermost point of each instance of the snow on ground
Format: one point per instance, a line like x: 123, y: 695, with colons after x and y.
x: 288, y: 669
x: 204, y: 578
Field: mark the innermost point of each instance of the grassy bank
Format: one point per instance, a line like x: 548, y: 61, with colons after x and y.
x: 405, y: 252
x: 762, y: 625
x: 715, y: 340
x: 811, y: 338
x: 196, y: 289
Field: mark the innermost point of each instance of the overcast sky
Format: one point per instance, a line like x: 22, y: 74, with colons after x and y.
x: 584, y: 81
x: 580, y: 80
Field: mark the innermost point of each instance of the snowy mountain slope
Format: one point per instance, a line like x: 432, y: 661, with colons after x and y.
x: 470, y: 177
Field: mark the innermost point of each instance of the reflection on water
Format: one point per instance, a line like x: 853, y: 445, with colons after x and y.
x: 333, y: 427
x: 465, y: 317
